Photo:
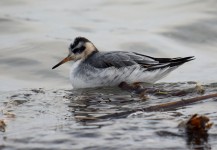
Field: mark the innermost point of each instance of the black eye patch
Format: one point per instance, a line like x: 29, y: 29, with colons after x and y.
x: 72, y: 46
x: 79, y: 50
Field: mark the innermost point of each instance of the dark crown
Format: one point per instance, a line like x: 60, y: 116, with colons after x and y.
x: 78, y: 40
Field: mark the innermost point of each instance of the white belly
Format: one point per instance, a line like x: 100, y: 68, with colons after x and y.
x: 87, y: 76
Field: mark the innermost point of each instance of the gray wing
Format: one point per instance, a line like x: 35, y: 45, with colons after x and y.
x: 120, y: 59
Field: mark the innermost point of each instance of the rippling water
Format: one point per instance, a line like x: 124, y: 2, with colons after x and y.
x: 52, y: 119
x: 35, y: 35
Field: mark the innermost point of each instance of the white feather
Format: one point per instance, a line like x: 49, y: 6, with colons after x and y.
x: 83, y: 75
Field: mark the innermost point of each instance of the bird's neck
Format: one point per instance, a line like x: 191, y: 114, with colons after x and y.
x: 90, y: 49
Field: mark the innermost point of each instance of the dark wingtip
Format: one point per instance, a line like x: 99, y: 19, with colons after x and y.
x: 190, y: 57
x: 180, y: 61
x: 186, y: 59
x: 172, y: 62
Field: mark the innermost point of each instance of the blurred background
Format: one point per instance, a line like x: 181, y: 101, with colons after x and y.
x: 35, y: 36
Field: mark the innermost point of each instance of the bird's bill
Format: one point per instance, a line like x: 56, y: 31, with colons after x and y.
x: 68, y: 58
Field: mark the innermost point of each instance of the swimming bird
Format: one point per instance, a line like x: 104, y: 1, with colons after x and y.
x: 94, y: 68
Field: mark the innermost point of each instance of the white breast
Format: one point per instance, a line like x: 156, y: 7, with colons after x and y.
x: 74, y: 80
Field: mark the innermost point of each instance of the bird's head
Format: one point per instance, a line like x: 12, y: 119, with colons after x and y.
x: 81, y: 48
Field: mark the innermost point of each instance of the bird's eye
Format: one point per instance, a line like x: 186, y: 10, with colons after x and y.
x: 75, y: 51
x: 79, y: 50
x: 82, y: 48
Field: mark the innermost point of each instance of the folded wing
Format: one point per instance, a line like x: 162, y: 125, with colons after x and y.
x: 120, y: 59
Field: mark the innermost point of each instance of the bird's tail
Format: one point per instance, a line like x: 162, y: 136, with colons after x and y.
x: 170, y: 62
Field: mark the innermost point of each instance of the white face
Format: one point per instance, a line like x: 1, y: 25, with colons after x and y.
x: 81, y: 50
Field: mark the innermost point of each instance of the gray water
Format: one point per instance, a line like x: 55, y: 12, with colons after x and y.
x: 35, y: 36
x: 52, y: 119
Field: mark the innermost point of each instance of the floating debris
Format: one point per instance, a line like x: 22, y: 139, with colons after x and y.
x: 2, y: 125
x: 161, y: 107
x: 196, y: 131
x: 160, y: 92
x: 197, y: 123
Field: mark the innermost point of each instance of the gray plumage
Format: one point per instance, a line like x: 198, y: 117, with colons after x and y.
x: 120, y: 59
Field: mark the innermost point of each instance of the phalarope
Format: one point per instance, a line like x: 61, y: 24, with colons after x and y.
x: 92, y: 68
